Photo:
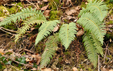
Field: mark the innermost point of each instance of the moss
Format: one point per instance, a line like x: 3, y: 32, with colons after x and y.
x: 3, y: 13
x: 110, y: 22
x: 54, y: 15
x: 67, y: 53
x: 83, y: 4
x: 53, y: 4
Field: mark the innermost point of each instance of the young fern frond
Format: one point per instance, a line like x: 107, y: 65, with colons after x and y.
x: 21, y: 15
x: 28, y: 24
x: 67, y: 33
x: 92, y: 25
x: 51, y: 47
x: 98, y: 9
x: 45, y: 29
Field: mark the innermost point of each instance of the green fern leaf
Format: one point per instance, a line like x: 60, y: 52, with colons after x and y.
x: 66, y: 34
x: 91, y: 49
x: 45, y: 30
x: 28, y: 24
x: 21, y: 15
x: 51, y: 47
x: 97, y: 44
x: 92, y: 25
x: 98, y: 9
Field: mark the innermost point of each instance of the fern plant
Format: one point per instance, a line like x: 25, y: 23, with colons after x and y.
x: 90, y: 18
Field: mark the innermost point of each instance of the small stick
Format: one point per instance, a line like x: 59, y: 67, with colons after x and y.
x: 31, y: 3
x: 98, y: 63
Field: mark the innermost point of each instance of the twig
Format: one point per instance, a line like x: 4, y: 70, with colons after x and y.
x: 31, y: 3
x: 6, y: 31
x: 98, y: 63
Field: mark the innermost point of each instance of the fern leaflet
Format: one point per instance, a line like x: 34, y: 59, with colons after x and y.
x: 45, y: 30
x: 21, y: 15
x: 90, y: 48
x: 28, y: 24
x: 98, y: 9
x: 51, y: 47
x: 66, y: 34
x: 93, y: 25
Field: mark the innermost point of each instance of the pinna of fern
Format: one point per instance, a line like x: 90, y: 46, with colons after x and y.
x: 45, y: 30
x: 32, y: 15
x: 28, y: 24
x: 92, y: 21
x: 25, y: 13
x: 67, y: 34
x: 93, y: 47
x: 97, y: 8
x: 50, y: 49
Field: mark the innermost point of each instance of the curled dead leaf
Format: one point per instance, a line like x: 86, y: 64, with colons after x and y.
x: 80, y: 33
x: 45, y: 7
x: 111, y: 70
x: 45, y: 0
x: 46, y: 13
x: 46, y: 69
x: 56, y: 28
x: 75, y: 69
x: 37, y: 58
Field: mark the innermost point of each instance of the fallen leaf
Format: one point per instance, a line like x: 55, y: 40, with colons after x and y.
x: 37, y: 58
x: 104, y: 69
x: 111, y: 70
x: 80, y: 33
x: 12, y: 56
x: 75, y: 69
x: 45, y: 7
x: 73, y: 10
x: 1, y: 18
x: 47, y: 69
x: 46, y: 13
x: 45, y: 0
x: 56, y: 28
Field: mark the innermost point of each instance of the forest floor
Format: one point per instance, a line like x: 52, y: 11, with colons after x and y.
x: 16, y: 56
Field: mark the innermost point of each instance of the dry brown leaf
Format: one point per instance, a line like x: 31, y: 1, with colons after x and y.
x: 70, y: 11
x: 111, y: 70
x: 47, y: 69
x: 27, y: 59
x: 80, y: 33
x: 33, y: 69
x: 1, y: 18
x: 46, y: 13
x: 37, y: 58
x: 56, y: 28
x: 12, y: 56
x: 45, y: 0
x: 104, y: 69
x: 45, y: 7
x: 81, y: 70
x: 75, y: 69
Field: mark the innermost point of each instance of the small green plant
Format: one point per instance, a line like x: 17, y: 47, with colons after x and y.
x: 91, y: 19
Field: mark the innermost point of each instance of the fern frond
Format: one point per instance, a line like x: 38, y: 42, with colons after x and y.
x: 98, y: 9
x: 66, y: 34
x: 21, y: 15
x: 45, y: 30
x: 92, y: 25
x: 51, y: 47
x: 91, y: 49
x: 28, y: 24
x: 97, y: 44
